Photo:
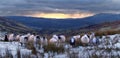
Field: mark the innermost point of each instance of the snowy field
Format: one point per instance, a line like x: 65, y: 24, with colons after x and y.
x: 108, y: 48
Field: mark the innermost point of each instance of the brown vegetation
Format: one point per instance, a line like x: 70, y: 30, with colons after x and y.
x: 53, y: 48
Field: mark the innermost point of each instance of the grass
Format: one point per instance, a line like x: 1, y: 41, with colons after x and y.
x: 18, y: 54
x: 30, y: 45
x: 53, y: 48
x: 108, y: 32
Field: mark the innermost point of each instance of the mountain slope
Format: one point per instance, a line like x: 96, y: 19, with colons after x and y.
x: 115, y: 25
x: 12, y: 26
x: 45, y: 23
x: 99, y: 29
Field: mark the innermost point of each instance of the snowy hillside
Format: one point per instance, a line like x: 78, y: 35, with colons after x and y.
x: 106, y: 48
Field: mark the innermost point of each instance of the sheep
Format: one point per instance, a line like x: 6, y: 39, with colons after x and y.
x: 17, y: 37
x: 85, y: 40
x: 11, y: 37
x: 61, y: 38
x: 43, y: 40
x: 37, y: 39
x: 93, y: 39
x: 31, y: 38
x: 55, y: 36
x: 26, y: 39
x: 72, y: 41
x: 22, y: 40
x: 6, y: 38
x: 77, y: 37
x: 53, y: 40
x: 92, y: 36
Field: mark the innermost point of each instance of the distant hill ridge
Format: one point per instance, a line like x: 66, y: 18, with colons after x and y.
x: 46, y: 23
x: 12, y: 26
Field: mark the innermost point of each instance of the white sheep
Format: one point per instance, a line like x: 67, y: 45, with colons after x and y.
x: 54, y: 39
x: 92, y: 36
x: 22, y: 39
x: 85, y: 39
x: 17, y: 37
x: 43, y: 40
x: 55, y: 36
x: 76, y: 37
x: 31, y: 38
x: 11, y: 37
x: 62, y: 38
x: 93, y: 39
x: 37, y: 39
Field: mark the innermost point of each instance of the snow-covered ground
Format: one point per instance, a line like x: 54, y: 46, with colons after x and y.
x: 12, y: 49
x: 106, y: 49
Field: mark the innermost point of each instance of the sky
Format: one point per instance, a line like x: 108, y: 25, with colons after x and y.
x: 58, y: 8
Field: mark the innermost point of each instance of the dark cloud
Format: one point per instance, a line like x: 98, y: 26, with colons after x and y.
x: 22, y: 7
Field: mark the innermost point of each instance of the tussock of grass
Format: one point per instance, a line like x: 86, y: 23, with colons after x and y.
x: 78, y: 43
x: 53, y: 48
x: 18, y: 54
x: 30, y: 45
x: 34, y: 51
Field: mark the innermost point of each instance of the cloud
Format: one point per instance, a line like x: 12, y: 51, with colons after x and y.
x: 61, y: 15
x: 30, y: 7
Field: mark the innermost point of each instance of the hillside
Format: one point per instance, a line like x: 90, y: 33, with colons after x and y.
x: 100, y: 29
x: 55, y: 24
x: 115, y: 25
x: 12, y: 26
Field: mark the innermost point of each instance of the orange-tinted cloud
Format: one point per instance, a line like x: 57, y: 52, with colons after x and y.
x: 61, y: 15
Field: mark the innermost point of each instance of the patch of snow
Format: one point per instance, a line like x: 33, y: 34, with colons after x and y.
x: 61, y: 56
x: 117, y: 45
